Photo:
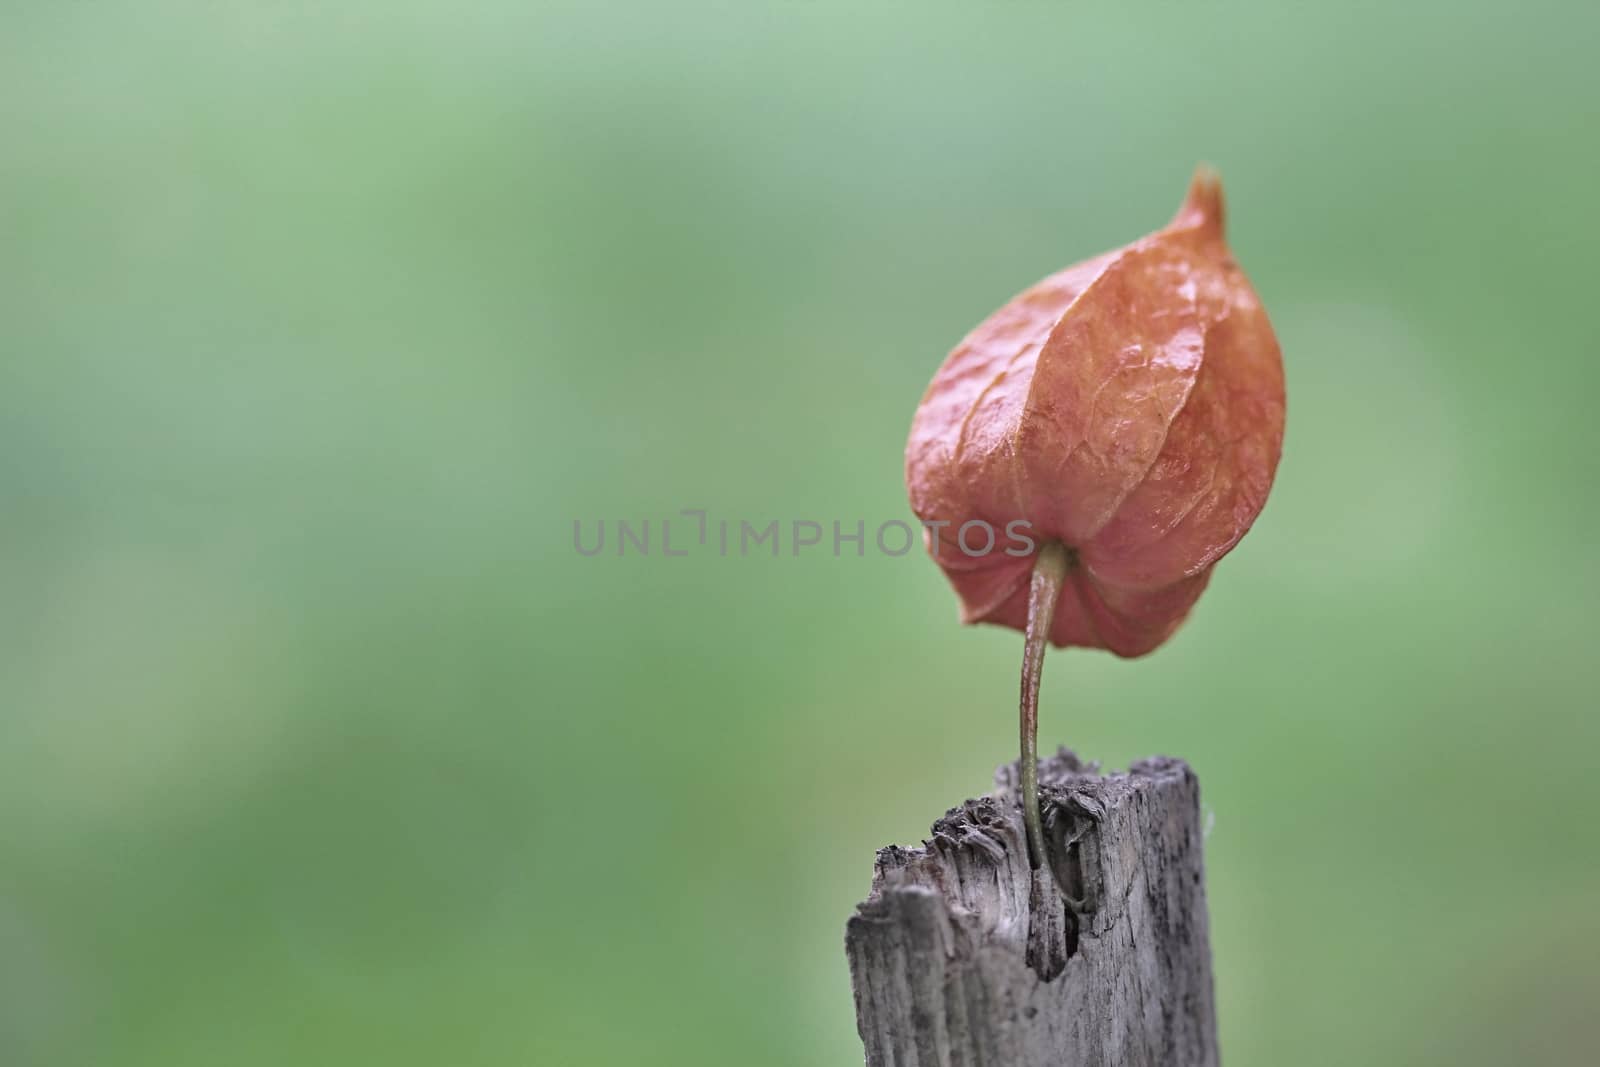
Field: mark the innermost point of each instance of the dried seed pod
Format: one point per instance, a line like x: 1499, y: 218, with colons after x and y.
x: 1130, y: 407
x: 1122, y: 420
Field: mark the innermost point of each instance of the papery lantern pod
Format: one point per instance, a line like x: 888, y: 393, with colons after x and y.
x: 1128, y: 409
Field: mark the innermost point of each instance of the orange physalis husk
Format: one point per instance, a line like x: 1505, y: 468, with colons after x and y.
x: 1129, y: 407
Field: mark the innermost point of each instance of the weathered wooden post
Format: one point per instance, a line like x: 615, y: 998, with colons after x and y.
x: 964, y: 957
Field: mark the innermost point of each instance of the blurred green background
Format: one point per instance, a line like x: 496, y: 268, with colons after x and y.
x: 321, y: 324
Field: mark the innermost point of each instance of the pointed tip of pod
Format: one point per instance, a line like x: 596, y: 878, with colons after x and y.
x: 1202, y: 207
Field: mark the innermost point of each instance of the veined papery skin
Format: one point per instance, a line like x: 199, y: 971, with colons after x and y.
x: 1130, y: 406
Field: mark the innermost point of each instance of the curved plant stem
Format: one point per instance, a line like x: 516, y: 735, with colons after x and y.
x: 1049, y: 570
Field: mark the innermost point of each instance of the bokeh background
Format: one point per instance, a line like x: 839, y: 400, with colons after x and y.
x: 321, y: 324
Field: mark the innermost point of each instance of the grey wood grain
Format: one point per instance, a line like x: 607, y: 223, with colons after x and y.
x: 963, y: 957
